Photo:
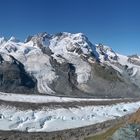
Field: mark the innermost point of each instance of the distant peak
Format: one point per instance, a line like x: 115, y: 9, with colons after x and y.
x: 2, y: 39
x: 133, y: 56
x: 13, y: 39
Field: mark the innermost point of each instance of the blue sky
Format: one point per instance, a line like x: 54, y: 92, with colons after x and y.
x: 113, y: 22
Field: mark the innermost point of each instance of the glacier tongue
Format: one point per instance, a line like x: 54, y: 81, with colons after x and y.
x: 38, y: 64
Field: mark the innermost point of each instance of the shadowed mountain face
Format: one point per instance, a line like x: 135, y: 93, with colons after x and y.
x: 13, y: 77
x: 67, y: 64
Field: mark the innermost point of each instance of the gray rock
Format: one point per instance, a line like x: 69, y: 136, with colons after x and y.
x: 14, y: 78
x: 128, y: 132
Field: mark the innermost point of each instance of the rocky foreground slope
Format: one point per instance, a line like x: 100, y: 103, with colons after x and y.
x: 68, y: 65
x: 126, y: 129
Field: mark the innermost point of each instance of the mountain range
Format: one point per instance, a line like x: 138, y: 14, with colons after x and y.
x: 66, y: 64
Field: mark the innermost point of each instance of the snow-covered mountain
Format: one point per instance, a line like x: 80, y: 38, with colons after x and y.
x: 68, y: 65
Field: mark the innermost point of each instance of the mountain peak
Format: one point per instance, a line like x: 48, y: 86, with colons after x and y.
x: 2, y: 40
x: 13, y: 39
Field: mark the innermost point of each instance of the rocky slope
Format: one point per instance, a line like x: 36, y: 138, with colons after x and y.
x: 68, y: 65
x: 129, y: 131
x: 13, y: 77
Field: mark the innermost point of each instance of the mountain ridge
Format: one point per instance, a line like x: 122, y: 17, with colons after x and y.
x: 69, y: 64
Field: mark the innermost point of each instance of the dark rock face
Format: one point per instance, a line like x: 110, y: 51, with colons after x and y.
x: 13, y: 77
x: 65, y: 85
x: 71, y: 74
x: 106, y: 82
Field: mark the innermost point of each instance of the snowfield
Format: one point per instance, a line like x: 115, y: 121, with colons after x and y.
x: 47, y: 120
